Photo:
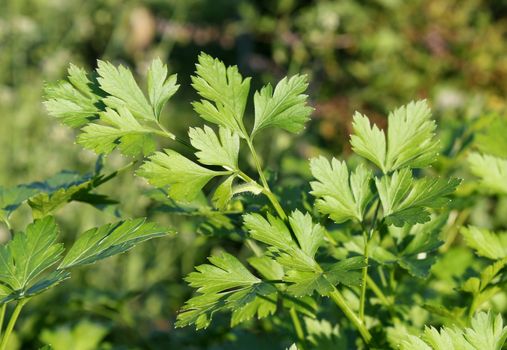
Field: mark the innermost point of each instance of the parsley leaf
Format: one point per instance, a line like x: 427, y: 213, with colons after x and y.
x: 184, y: 178
x: 221, y: 150
x: 409, y: 143
x: 340, y: 195
x: 28, y: 255
x: 284, y: 107
x: 111, y: 239
x: 485, y: 242
x: 121, y: 130
x: 160, y: 87
x: 225, y: 93
x: 406, y: 200
x: 491, y: 170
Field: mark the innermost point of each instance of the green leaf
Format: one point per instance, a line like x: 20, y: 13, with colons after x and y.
x: 225, y: 93
x: 29, y: 254
x: 120, y: 84
x: 308, y: 235
x: 486, y: 243
x: 184, y: 178
x: 491, y: 170
x: 340, y: 196
x: 406, y: 200
x: 368, y: 141
x: 486, y: 332
x: 409, y: 143
x: 491, y: 139
x: 223, y: 193
x: 419, y: 252
x: 160, y: 87
x: 119, y: 129
x: 11, y: 198
x: 74, y: 103
x: 226, y: 284
x: 285, y: 107
x: 213, y: 150
x: 64, y: 187
x: 111, y: 239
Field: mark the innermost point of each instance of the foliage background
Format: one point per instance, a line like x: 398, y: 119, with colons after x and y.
x: 369, y: 57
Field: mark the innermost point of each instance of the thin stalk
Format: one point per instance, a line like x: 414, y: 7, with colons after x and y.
x: 297, y: 327
x: 257, y: 163
x: 364, y: 277
x: 378, y: 292
x: 12, y: 322
x: 2, y: 316
x: 366, y: 237
x: 337, y: 297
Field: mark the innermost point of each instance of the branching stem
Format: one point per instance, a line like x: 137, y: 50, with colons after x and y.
x: 337, y: 297
x: 367, y: 237
x: 12, y: 322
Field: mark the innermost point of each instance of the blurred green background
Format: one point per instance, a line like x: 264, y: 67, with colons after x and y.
x: 367, y: 56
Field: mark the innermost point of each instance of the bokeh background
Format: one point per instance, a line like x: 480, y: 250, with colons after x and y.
x: 367, y: 56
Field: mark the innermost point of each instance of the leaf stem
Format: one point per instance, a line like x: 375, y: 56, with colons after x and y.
x: 297, y: 327
x: 267, y: 191
x: 378, y: 292
x: 2, y: 316
x: 12, y: 322
x: 337, y: 297
x: 367, y: 237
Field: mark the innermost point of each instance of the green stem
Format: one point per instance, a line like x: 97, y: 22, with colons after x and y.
x: 364, y: 278
x: 367, y: 237
x: 297, y: 327
x: 2, y: 316
x: 12, y: 322
x: 337, y: 297
x: 257, y: 164
x: 378, y: 292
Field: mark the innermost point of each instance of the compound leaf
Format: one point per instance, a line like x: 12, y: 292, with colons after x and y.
x: 225, y: 93
x: 285, y: 107
x: 406, y: 200
x: 76, y: 102
x: 184, y: 177
x: 29, y: 254
x: 160, y: 87
x: 221, y: 150
x: 340, y: 195
x: 410, y: 138
x: 120, y: 84
x: 491, y: 170
x: 485, y: 242
x: 111, y: 239
x: 120, y: 130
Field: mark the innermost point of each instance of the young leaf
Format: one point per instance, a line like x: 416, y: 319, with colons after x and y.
x: 285, y: 107
x: 223, y: 193
x: 405, y: 200
x: 120, y: 84
x: 111, y: 239
x: 74, y: 103
x: 160, y: 87
x: 368, y: 141
x: 491, y: 170
x: 213, y: 150
x: 486, y: 332
x: 226, y: 284
x: 184, y: 177
x: 29, y: 254
x: 486, y: 243
x: 121, y: 130
x: 340, y: 196
x: 410, y: 140
x: 226, y: 88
